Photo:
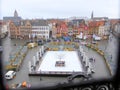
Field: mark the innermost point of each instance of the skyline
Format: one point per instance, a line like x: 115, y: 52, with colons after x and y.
x: 30, y: 9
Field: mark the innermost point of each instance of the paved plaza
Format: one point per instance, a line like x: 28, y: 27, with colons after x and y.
x: 101, y: 69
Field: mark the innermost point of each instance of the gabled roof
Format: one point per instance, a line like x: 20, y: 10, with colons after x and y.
x: 96, y: 23
x: 32, y: 22
x: 100, y: 18
x: 114, y: 21
x: 14, y: 19
x: 39, y: 23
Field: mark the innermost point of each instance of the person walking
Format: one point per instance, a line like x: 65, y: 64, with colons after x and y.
x: 111, y: 57
x: 94, y: 59
x: 40, y: 78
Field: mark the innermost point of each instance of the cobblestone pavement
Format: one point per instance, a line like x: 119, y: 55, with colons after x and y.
x: 110, y: 48
x: 101, y: 70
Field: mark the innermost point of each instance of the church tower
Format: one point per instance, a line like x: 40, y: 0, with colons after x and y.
x: 15, y: 14
x: 92, y: 15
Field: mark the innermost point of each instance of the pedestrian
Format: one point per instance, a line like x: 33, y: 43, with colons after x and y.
x: 111, y: 57
x: 14, y: 44
x: 94, y: 59
x: 34, y: 68
x: 40, y: 78
x: 110, y: 39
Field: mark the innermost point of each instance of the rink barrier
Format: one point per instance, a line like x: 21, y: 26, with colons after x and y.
x: 50, y: 73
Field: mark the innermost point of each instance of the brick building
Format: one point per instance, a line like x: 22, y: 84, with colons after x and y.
x: 29, y: 29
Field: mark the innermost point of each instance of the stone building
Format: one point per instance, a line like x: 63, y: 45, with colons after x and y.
x: 29, y: 29
x: 14, y: 18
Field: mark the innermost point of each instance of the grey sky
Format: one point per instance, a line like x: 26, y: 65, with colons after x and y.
x: 60, y: 8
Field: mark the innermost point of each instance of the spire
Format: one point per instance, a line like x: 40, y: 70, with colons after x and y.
x: 15, y: 14
x: 92, y: 15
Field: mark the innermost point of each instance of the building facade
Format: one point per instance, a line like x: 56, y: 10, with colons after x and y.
x: 117, y: 27
x: 14, y: 29
x: 40, y: 29
x: 25, y: 29
x: 0, y: 28
x: 103, y: 31
x: 94, y: 27
x: 29, y: 29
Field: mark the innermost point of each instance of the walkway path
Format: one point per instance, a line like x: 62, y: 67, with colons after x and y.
x: 101, y: 70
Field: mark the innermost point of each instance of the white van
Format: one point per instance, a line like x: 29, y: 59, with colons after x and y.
x: 10, y: 74
x: 97, y: 38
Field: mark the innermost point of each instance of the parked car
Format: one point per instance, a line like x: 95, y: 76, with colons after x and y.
x: 10, y: 74
x: 83, y: 43
x: 94, y: 42
x: 97, y: 38
x: 40, y: 42
x: 48, y: 40
x: 76, y: 40
x: 55, y: 40
x: 32, y: 45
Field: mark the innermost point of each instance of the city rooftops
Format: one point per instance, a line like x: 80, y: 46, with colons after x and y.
x: 39, y: 22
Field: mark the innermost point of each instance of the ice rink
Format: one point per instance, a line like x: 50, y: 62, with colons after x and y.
x: 72, y: 62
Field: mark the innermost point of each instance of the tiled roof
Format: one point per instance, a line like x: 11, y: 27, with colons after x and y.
x: 14, y: 19
x: 39, y: 23
x: 100, y: 18
x: 114, y: 21
x: 96, y: 23
x: 32, y: 22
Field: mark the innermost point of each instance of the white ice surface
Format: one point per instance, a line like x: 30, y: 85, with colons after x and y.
x: 71, y: 59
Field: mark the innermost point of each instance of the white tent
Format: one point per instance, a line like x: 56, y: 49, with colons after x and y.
x: 40, y: 52
x: 84, y: 58
x: 86, y: 62
x: 34, y: 61
x: 89, y: 71
x: 29, y: 65
x: 83, y: 54
x: 80, y: 48
x: 85, y: 37
x: 37, y: 56
x: 42, y: 47
x: 80, y: 36
x: 91, y: 67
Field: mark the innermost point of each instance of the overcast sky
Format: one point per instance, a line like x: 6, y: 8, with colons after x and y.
x: 60, y: 8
